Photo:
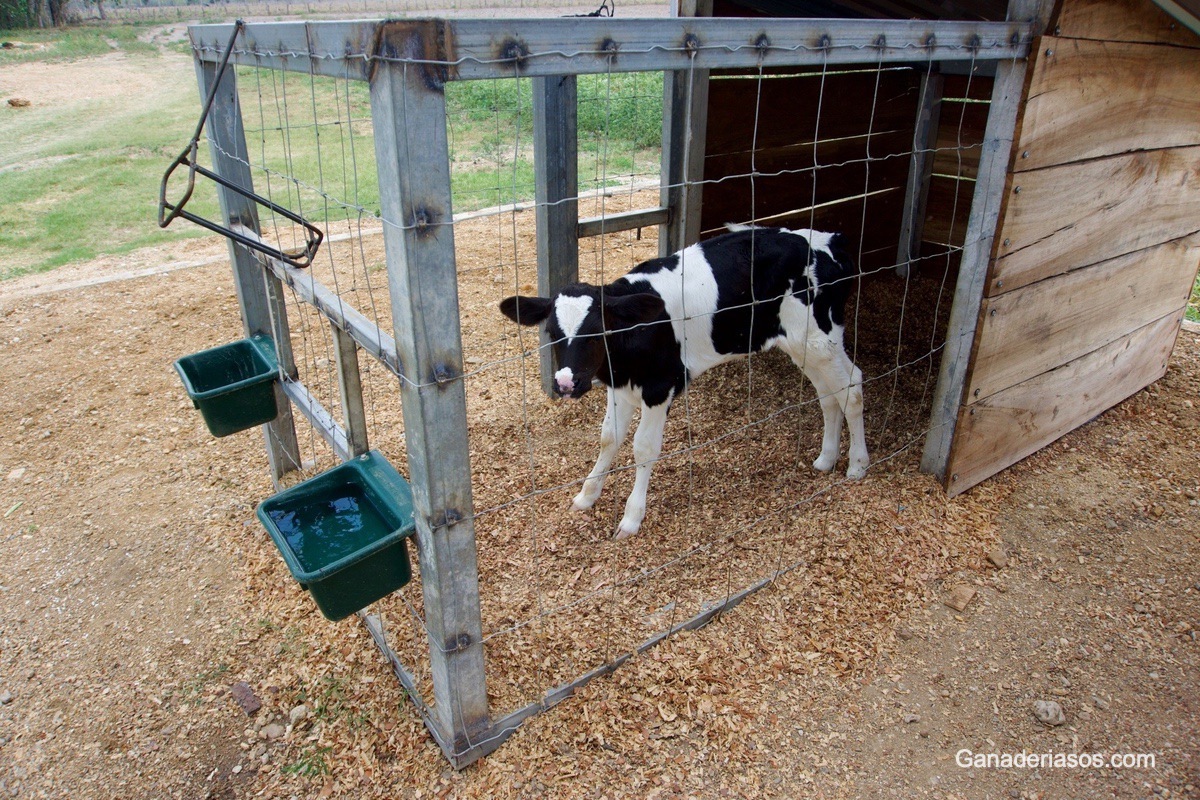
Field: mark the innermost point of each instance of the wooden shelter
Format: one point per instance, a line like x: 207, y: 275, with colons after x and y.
x: 1083, y: 238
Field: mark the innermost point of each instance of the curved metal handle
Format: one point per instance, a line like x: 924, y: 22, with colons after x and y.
x: 168, y: 212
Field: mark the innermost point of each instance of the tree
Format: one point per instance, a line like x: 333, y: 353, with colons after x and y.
x: 17, y: 14
x: 58, y: 12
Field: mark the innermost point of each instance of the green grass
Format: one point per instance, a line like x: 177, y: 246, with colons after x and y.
x: 491, y: 131
x: 82, y: 179
x: 79, y: 175
x: 1193, y: 306
x: 331, y: 701
x: 311, y: 763
x: 80, y: 41
x: 195, y: 687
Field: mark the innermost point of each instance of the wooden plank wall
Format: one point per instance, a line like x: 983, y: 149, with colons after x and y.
x: 857, y: 147
x: 1099, y: 240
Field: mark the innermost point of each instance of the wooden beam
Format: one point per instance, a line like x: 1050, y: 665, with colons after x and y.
x: 472, y: 49
x: 508, y: 725
x: 623, y: 221
x: 556, y: 188
x: 986, y: 203
x: 345, y: 353
x: 1014, y: 423
x: 1066, y: 217
x: 920, y: 170
x: 1122, y: 21
x: 408, y: 106
x: 685, y: 109
x: 333, y: 49
x: 369, y: 336
x: 320, y: 418
x: 259, y: 294
x: 375, y: 626
x: 490, y: 48
x: 1095, y: 99
x: 685, y: 124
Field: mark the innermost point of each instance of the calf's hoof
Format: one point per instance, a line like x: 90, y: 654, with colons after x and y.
x: 856, y: 471
x: 585, y: 500
x: 625, y: 530
x: 825, y: 463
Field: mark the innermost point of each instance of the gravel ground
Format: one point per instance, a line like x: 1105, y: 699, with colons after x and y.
x: 140, y: 593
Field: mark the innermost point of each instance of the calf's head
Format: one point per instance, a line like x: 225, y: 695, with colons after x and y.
x: 580, y: 321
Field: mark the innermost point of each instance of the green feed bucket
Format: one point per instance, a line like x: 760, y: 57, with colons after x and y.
x: 342, y: 533
x: 233, y: 385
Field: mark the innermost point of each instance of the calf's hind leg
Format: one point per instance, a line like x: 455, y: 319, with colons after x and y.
x: 850, y: 396
x: 838, y: 384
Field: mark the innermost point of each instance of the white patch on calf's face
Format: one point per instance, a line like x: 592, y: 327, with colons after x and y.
x: 570, y: 311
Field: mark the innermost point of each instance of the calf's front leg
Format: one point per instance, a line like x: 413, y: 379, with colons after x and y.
x: 647, y: 446
x: 612, y: 435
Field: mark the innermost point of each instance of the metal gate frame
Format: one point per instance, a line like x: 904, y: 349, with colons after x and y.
x: 407, y: 64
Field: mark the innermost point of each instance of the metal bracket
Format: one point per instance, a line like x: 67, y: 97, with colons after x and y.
x: 168, y: 212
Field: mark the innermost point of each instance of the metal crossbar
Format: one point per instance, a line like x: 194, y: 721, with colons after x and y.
x: 466, y: 49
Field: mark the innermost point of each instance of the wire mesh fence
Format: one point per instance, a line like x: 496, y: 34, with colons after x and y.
x: 735, y: 504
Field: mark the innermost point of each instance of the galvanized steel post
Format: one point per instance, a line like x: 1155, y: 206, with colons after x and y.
x: 408, y: 106
x: 259, y: 292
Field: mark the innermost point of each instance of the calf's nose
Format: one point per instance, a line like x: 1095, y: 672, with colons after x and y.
x: 565, y: 381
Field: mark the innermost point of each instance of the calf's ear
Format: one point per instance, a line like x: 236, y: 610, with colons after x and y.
x: 630, y: 310
x: 526, y: 310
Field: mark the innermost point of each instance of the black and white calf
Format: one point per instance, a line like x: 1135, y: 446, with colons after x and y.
x: 647, y: 335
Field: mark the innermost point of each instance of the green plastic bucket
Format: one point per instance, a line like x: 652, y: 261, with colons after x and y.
x: 342, y: 533
x: 233, y: 385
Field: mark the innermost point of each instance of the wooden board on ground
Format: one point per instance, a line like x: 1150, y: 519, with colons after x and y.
x: 1091, y: 99
x: 1010, y: 425
x: 1063, y: 218
x: 1122, y: 21
x: 1039, y: 327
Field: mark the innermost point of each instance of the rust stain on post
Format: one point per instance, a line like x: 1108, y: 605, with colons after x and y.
x: 427, y: 43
